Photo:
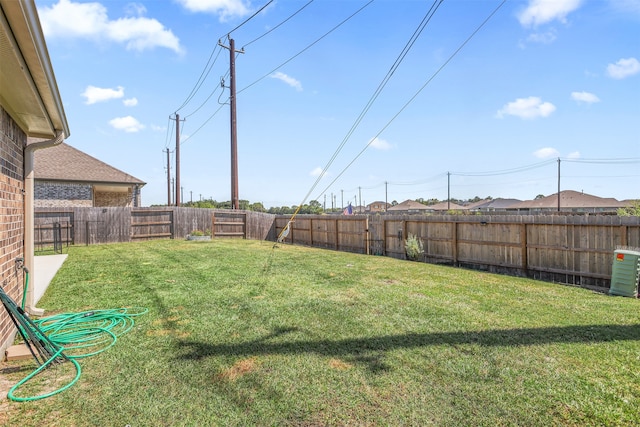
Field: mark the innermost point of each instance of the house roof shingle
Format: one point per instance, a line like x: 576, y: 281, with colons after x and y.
x: 569, y: 199
x: 65, y: 163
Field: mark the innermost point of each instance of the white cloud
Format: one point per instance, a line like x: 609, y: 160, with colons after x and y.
x: 544, y: 38
x: 95, y: 94
x: 574, y: 155
x: 67, y: 19
x: 225, y: 9
x: 288, y: 80
x: 317, y: 172
x: 546, y: 152
x: 543, y: 11
x: 157, y: 128
x: 527, y: 108
x: 380, y: 144
x: 623, y: 68
x: 128, y: 124
x: 131, y: 102
x: 584, y: 97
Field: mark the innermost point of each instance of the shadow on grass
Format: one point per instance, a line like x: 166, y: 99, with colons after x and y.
x: 370, y: 350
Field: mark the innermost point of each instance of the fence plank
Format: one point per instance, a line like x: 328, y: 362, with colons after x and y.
x: 575, y: 249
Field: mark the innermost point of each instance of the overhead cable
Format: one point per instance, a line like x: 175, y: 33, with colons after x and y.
x: 506, y: 171
x: 306, y: 48
x: 277, y: 26
x: 417, y: 93
x: 203, y: 75
x: 247, y: 20
x: 367, y: 107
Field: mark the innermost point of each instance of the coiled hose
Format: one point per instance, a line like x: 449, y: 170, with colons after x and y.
x: 79, y: 335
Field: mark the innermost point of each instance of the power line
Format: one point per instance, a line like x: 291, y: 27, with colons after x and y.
x: 209, y: 65
x: 306, y: 48
x: 169, y: 130
x: 506, y: 171
x: 614, y: 161
x: 202, y: 125
x: 247, y: 20
x: 375, y: 95
x: 203, y: 75
x: 280, y: 24
x: 266, y: 75
x: 417, y: 93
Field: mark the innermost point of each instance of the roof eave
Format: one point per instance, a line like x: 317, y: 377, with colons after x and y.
x: 27, y: 50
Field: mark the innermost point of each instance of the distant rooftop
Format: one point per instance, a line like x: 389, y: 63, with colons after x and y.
x: 65, y: 163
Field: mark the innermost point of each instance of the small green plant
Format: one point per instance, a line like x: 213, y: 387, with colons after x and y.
x: 632, y: 210
x: 199, y: 233
x: 413, y: 247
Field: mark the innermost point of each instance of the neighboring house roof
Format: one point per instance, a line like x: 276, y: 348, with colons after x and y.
x: 29, y: 89
x: 412, y: 205
x: 377, y: 206
x: 569, y: 199
x: 65, y: 163
x: 445, y: 206
x: 493, y: 204
x: 409, y: 205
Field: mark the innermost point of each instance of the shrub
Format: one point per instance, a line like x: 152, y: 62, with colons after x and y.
x: 413, y: 247
x: 632, y: 210
x: 199, y: 233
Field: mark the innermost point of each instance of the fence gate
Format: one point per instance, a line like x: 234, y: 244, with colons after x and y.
x: 227, y: 224
x: 151, y: 224
x: 53, y: 230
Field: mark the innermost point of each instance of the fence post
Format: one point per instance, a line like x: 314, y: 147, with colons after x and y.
x: 523, y: 245
x: 454, y: 242
x: 57, y: 237
x: 366, y: 236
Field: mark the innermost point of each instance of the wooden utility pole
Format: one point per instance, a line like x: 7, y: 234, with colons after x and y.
x: 448, y: 190
x: 558, y: 184
x: 178, y: 159
x: 235, y: 200
x: 386, y: 194
x: 168, y: 178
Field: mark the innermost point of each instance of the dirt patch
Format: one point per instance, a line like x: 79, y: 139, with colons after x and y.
x: 340, y: 365
x: 239, y: 369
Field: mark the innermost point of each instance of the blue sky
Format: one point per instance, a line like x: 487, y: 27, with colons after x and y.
x: 319, y: 113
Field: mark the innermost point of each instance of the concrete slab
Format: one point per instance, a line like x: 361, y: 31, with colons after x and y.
x: 18, y: 352
x: 45, y: 268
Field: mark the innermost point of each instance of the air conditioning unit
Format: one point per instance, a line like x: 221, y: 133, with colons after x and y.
x: 625, y: 273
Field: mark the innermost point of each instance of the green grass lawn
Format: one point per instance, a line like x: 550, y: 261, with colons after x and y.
x: 240, y: 333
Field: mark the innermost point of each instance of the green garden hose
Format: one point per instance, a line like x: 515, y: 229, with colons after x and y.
x: 11, y: 395
x: 88, y: 333
x: 79, y: 335
x: 26, y: 286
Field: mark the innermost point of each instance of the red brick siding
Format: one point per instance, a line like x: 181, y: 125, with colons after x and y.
x: 12, y: 141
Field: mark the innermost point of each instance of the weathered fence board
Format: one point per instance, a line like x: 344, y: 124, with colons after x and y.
x: 575, y: 249
x: 343, y: 233
x: 229, y: 224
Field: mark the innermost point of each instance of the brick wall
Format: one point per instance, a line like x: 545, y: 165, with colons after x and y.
x: 50, y: 194
x: 54, y: 194
x: 12, y: 141
x: 113, y: 199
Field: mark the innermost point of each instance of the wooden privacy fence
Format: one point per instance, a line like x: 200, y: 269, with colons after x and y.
x: 341, y: 233
x: 573, y: 249
x: 229, y: 224
x: 86, y: 226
